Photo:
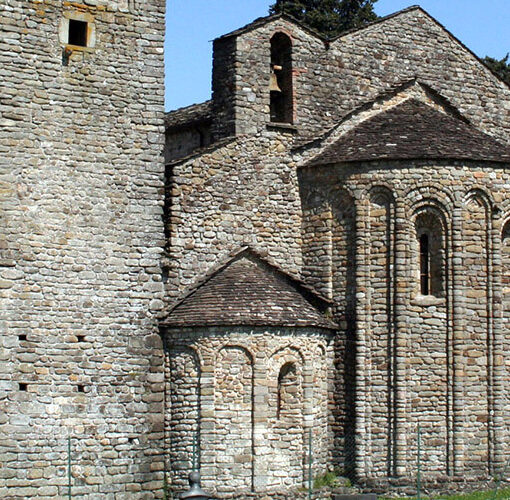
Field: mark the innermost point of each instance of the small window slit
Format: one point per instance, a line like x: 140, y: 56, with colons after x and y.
x: 78, y: 33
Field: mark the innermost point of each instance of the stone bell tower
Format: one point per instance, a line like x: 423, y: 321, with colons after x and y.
x: 81, y: 235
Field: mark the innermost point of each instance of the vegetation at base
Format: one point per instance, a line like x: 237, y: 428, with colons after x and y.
x: 328, y: 17
x: 500, y: 494
x: 331, y: 479
x: 500, y: 67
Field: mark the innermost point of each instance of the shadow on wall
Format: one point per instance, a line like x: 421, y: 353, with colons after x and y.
x: 329, y: 265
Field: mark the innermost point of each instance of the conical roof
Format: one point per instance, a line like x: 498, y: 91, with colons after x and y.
x: 249, y: 291
x: 413, y: 130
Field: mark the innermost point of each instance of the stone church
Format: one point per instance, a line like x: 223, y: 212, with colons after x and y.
x: 316, y: 259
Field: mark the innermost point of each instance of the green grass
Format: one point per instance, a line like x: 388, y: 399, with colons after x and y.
x: 481, y: 495
x: 330, y: 480
x: 500, y: 494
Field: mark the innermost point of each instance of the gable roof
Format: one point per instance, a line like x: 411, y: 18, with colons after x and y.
x: 413, y: 130
x: 248, y: 291
x: 262, y: 21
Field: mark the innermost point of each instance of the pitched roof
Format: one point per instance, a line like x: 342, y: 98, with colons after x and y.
x: 189, y: 115
x: 248, y: 291
x: 413, y: 130
x: 387, y: 93
x: 261, y: 21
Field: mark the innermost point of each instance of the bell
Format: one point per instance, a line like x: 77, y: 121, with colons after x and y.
x: 273, y: 84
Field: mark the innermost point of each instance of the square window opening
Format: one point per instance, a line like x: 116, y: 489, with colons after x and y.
x: 77, y: 33
x: 23, y: 386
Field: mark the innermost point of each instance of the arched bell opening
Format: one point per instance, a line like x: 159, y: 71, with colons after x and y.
x: 280, y: 86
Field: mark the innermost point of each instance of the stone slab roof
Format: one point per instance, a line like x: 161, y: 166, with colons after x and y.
x: 413, y: 130
x: 248, y: 291
x: 188, y: 116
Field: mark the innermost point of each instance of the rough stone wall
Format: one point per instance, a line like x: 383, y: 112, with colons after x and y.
x: 333, y: 79
x: 381, y: 309
x: 352, y: 232
x: 318, y: 222
x: 81, y: 195
x: 261, y: 391
x: 223, y: 85
x: 241, y: 193
x: 478, y: 255
x: 181, y: 143
x: 182, y: 409
x: 434, y: 360
x: 232, y: 441
x: 503, y: 362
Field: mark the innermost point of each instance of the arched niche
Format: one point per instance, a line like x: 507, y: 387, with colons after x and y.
x: 287, y: 391
x: 285, y: 418
x: 381, y: 326
x: 182, y: 415
x: 478, y: 328
x: 505, y: 276
x: 428, y: 334
x: 233, y: 416
x: 343, y: 252
x: 505, y: 251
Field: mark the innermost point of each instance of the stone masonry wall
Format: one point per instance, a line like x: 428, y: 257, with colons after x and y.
x: 81, y: 194
x: 260, y: 391
x: 331, y: 79
x: 352, y: 231
x: 434, y: 360
x: 183, y: 142
x: 355, y: 238
x: 242, y: 193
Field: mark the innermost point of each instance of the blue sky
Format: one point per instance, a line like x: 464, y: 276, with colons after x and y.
x: 482, y: 25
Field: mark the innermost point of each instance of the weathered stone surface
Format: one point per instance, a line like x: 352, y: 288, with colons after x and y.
x: 81, y: 190
x: 418, y: 347
x: 82, y: 289
x: 244, y: 400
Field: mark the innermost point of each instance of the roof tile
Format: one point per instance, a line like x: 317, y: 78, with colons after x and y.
x: 413, y: 130
x: 189, y: 115
x: 249, y: 291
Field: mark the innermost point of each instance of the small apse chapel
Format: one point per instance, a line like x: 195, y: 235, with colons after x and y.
x: 323, y: 253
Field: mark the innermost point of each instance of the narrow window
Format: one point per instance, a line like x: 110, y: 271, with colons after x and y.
x: 77, y: 33
x: 430, y: 254
x: 280, y: 86
x: 424, y: 264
